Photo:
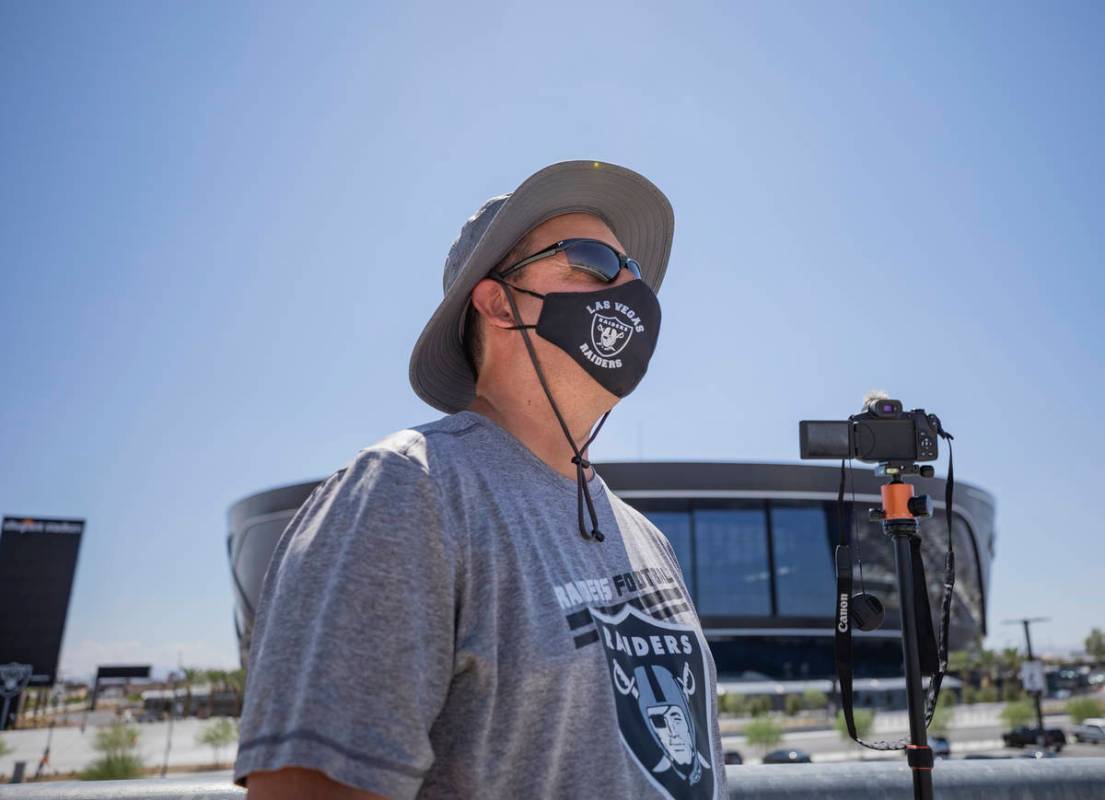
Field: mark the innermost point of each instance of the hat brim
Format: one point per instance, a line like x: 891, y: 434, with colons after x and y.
x: 635, y: 209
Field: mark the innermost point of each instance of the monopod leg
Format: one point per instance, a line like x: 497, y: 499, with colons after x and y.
x: 920, y: 756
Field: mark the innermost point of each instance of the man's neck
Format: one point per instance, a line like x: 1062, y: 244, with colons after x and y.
x: 531, y: 421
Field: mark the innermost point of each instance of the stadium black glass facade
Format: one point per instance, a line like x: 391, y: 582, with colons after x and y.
x: 755, y: 542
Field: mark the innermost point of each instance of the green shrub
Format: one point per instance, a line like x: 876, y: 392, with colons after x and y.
x: 864, y: 719
x: 1018, y: 713
x: 5, y: 748
x: 217, y: 735
x: 1082, y: 708
x: 113, y: 768
x: 988, y: 694
x: 1013, y: 692
x: 763, y: 732
x: 735, y: 704
x: 813, y: 700
x: 758, y: 706
x: 947, y: 699
x: 970, y: 695
x: 118, y: 743
x: 792, y: 705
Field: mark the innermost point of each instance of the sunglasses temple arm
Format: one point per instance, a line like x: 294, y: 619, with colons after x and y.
x: 548, y: 251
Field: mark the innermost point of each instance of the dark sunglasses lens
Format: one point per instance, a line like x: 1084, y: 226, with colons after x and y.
x: 594, y: 257
x: 633, y: 267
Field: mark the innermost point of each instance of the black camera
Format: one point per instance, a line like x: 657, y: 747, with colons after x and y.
x: 881, y: 434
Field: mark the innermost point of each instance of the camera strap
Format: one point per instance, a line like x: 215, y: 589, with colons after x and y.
x: 933, y: 651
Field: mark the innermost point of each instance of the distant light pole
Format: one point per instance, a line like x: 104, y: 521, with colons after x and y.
x: 1041, y: 739
x: 43, y: 762
x: 172, y: 712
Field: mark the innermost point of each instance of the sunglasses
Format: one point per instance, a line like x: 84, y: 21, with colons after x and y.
x: 590, y: 255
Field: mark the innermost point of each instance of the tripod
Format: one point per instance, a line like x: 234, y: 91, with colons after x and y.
x: 899, y: 514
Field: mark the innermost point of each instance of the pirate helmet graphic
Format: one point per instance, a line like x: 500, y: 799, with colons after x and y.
x: 661, y: 693
x: 663, y: 704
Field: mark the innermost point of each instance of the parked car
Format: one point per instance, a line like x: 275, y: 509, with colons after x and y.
x: 1024, y: 736
x: 787, y: 757
x: 1091, y: 730
x: 733, y: 757
x: 941, y: 747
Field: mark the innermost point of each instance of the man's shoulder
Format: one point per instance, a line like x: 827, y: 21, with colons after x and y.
x: 402, y: 471
x: 431, y: 447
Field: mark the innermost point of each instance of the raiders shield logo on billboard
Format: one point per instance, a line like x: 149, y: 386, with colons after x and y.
x: 609, y: 335
x: 664, y: 707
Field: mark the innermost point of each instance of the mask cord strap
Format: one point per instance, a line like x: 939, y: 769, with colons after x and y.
x: 582, y: 492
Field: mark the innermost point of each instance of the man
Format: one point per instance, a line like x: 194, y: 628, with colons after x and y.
x: 465, y: 610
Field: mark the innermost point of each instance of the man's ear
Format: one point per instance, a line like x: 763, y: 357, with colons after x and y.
x: 489, y: 298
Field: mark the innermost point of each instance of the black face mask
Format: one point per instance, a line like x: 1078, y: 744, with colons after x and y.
x: 611, y: 333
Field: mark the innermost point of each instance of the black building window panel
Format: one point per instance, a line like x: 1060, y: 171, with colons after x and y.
x: 731, y: 557
x: 803, y: 559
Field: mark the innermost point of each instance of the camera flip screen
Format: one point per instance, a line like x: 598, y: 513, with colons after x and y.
x: 832, y: 439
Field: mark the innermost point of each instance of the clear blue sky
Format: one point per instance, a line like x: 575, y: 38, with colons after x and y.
x: 223, y: 227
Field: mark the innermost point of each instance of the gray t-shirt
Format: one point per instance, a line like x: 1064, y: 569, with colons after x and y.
x: 434, y: 625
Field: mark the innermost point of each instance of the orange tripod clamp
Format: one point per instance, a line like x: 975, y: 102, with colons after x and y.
x: 895, y: 500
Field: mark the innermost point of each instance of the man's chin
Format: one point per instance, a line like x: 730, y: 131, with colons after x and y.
x: 682, y: 756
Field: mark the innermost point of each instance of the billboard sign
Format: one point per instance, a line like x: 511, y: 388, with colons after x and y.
x: 38, y: 559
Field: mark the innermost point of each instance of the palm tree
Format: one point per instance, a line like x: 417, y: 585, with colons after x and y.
x: 988, y: 665
x: 190, y: 677
x: 216, y: 680
x: 236, y: 681
x: 1095, y: 645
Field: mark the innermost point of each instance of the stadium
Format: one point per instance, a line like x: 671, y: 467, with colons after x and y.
x: 755, y: 542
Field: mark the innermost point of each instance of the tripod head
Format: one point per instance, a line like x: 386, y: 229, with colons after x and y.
x: 898, y: 500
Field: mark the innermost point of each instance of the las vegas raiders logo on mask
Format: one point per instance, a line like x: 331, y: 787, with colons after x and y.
x: 662, y: 699
x: 609, y: 335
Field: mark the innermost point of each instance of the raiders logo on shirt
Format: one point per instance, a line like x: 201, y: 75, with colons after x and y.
x: 664, y: 707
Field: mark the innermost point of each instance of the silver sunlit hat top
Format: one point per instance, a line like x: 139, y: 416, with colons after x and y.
x: 636, y: 211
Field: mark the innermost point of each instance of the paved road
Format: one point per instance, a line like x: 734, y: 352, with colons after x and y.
x: 71, y: 750
x: 973, y: 730
x: 970, y: 733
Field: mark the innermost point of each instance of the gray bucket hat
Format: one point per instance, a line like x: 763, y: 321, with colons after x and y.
x: 638, y: 213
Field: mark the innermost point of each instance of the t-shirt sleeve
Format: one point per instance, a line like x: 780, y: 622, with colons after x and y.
x: 352, y: 651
